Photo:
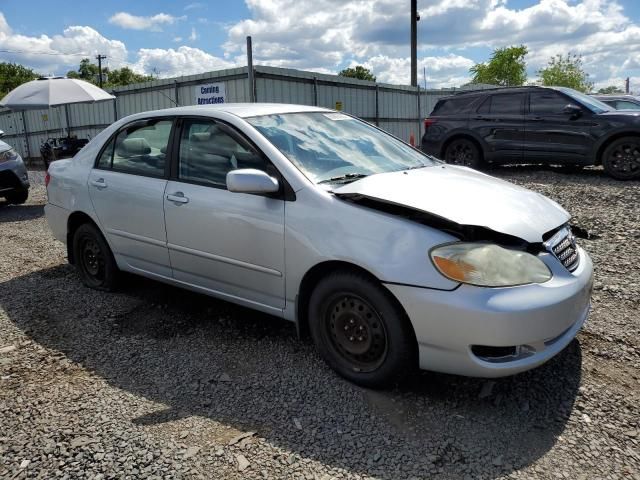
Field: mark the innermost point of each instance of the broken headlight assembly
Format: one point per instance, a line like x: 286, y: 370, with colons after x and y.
x: 488, y: 265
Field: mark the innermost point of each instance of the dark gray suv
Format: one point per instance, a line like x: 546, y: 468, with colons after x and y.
x: 14, y: 180
x: 552, y: 125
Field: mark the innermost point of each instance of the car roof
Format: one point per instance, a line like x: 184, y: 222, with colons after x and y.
x: 617, y: 97
x: 242, y: 110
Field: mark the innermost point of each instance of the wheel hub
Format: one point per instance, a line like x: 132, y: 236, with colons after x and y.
x: 92, y: 257
x: 357, y: 332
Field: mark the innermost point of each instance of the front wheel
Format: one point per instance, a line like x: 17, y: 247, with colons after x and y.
x: 93, y: 258
x: 621, y: 159
x: 360, y: 331
x: 463, y: 152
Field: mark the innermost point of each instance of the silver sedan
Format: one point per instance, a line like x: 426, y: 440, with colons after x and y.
x: 389, y: 258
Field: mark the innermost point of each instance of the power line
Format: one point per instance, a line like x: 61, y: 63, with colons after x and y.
x: 28, y: 52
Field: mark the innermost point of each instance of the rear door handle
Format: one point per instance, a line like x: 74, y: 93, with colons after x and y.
x: 99, y: 183
x: 177, y: 197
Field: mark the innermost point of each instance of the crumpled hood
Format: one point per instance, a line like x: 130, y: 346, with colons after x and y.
x: 466, y: 197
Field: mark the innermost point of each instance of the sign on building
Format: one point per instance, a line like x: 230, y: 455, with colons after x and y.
x: 210, y: 93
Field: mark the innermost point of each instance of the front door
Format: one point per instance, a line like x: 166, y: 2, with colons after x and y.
x: 127, y: 190
x: 555, y: 136
x: 231, y: 244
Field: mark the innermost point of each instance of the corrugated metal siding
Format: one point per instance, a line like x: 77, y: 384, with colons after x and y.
x: 397, y: 105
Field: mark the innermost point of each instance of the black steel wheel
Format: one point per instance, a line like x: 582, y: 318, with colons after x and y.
x: 621, y: 159
x: 463, y: 152
x: 18, y: 198
x: 360, y: 330
x: 93, y: 258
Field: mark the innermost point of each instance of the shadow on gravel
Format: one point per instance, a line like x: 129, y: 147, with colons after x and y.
x: 19, y: 213
x: 203, y: 357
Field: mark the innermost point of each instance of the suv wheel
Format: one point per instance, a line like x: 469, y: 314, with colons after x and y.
x: 94, y: 259
x: 18, y: 198
x: 463, y: 152
x: 621, y: 159
x: 360, y: 331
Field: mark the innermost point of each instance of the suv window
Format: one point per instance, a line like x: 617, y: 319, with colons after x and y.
x: 503, y: 104
x: 507, y: 104
x: 547, y: 103
x: 451, y: 106
x: 208, y: 153
x: 625, y: 105
x: 140, y: 149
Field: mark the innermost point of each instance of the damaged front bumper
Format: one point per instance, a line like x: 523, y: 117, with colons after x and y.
x: 494, y: 332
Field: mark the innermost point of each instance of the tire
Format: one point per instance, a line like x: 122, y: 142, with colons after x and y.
x: 93, y: 258
x: 621, y: 159
x: 463, y: 152
x: 18, y: 198
x: 360, y: 331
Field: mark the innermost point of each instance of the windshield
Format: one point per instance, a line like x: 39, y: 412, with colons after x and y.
x: 593, y: 104
x: 333, y: 147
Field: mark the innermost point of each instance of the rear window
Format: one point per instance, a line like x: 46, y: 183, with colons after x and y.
x: 503, y: 104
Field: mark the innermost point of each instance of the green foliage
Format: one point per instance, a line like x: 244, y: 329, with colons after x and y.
x: 506, y: 67
x: 610, y: 90
x: 566, y: 71
x: 358, y: 72
x: 13, y: 75
x: 114, y: 78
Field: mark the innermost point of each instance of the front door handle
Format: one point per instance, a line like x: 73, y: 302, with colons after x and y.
x: 177, y: 197
x: 99, y: 183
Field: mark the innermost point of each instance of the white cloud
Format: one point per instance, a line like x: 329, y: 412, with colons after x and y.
x: 177, y: 39
x: 59, y: 53
x: 194, y: 35
x: 176, y: 62
x: 135, y: 22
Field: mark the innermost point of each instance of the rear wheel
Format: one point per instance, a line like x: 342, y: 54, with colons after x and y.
x: 360, y: 331
x: 621, y: 159
x: 463, y: 152
x: 18, y: 198
x: 94, y: 259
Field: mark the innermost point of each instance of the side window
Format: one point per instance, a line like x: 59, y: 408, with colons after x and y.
x: 485, y: 107
x: 107, y: 155
x: 547, y: 103
x: 141, y: 148
x: 507, y: 104
x: 208, y: 153
x: 624, y: 105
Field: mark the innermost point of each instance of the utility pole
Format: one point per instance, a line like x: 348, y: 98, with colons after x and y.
x: 414, y: 42
x: 100, y: 58
x: 626, y: 86
x: 250, y: 75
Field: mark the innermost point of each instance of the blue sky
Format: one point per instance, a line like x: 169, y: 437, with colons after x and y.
x: 170, y: 38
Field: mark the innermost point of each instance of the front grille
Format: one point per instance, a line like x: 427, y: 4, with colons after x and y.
x: 563, y: 246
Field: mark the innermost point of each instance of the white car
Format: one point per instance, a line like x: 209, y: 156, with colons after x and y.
x: 390, y: 258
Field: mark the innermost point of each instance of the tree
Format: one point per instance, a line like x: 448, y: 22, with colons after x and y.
x: 506, y: 67
x: 114, y: 78
x: 566, y: 71
x: 358, y: 72
x: 610, y: 90
x: 13, y: 75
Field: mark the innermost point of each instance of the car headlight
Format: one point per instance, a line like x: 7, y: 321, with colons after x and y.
x: 7, y: 155
x: 488, y: 265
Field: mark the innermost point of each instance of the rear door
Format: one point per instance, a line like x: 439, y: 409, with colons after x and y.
x: 229, y: 243
x: 553, y: 135
x: 499, y: 121
x: 127, y: 191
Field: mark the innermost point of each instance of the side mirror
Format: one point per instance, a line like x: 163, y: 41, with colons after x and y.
x: 572, y: 110
x: 1, y: 133
x: 250, y: 180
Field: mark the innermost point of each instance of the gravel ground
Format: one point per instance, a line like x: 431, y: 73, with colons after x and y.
x: 156, y: 382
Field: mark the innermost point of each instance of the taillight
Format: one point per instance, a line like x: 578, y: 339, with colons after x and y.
x: 47, y: 179
x: 428, y: 122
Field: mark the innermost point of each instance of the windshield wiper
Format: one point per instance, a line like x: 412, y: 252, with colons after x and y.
x: 345, y: 177
x: 422, y: 165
